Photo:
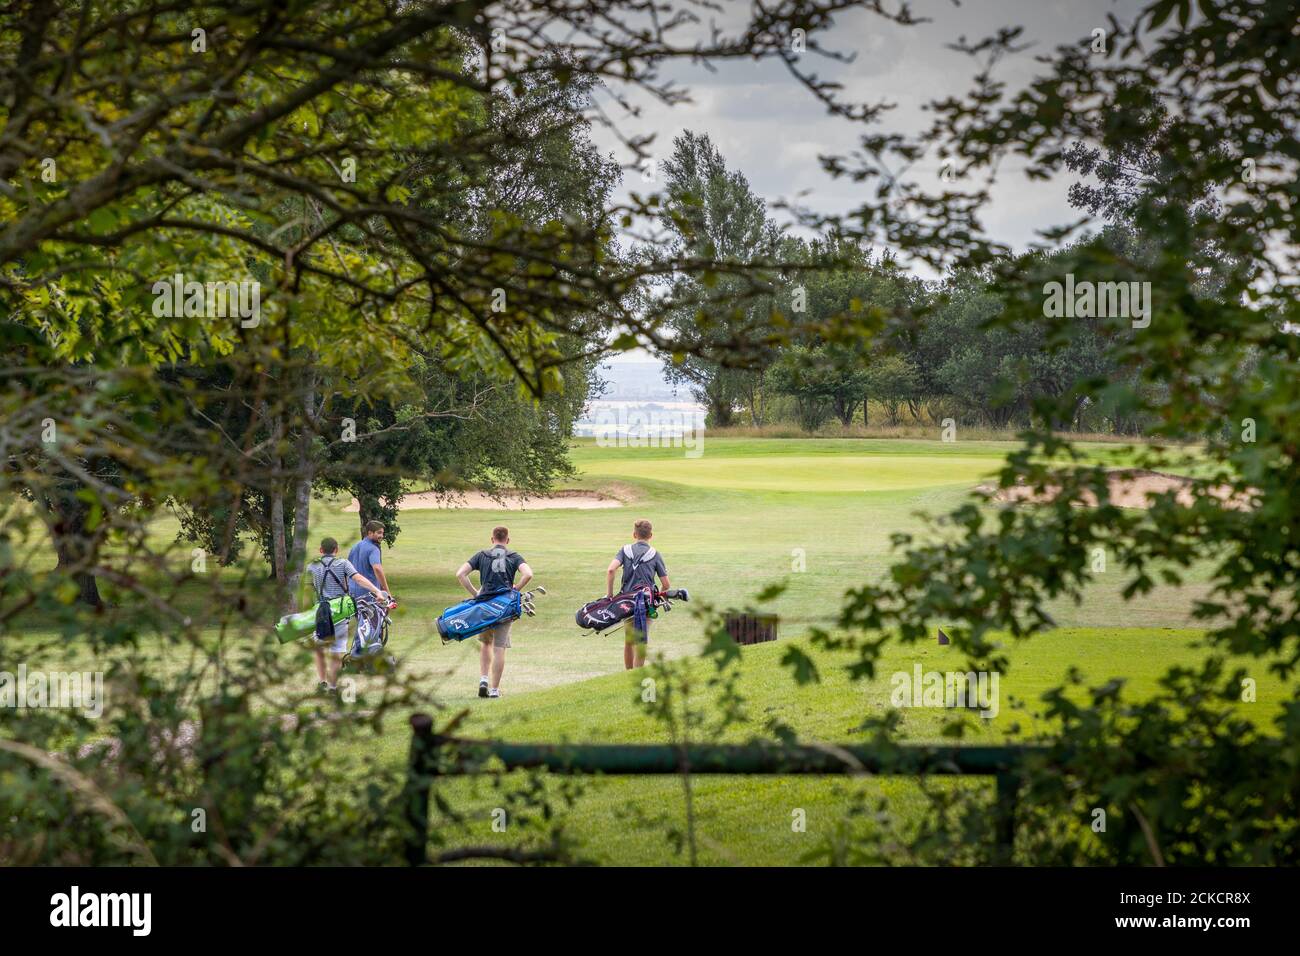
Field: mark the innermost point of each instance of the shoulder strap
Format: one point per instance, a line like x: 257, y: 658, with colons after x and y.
x: 647, y: 555
x: 320, y: 593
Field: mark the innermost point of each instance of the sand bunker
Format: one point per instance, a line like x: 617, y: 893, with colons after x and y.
x: 507, y: 502
x: 1128, y: 489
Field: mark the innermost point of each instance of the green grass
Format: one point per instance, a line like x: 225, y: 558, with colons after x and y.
x: 815, y: 514
x: 746, y: 820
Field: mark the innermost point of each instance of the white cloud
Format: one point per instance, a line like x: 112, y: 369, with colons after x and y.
x: 773, y: 130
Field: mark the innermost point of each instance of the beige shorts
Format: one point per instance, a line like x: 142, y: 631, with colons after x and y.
x: 499, y: 635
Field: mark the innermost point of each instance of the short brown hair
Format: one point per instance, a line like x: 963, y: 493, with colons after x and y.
x: 328, y: 546
x: 642, y: 529
x: 373, y: 526
x: 500, y: 533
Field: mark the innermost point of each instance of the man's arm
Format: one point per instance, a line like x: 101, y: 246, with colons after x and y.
x: 462, y: 575
x: 663, y: 575
x: 365, y: 583
x: 527, y: 572
x: 614, y: 565
x: 379, y: 574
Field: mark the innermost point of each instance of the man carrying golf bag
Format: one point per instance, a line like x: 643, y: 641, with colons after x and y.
x: 497, y: 566
x: 640, y: 564
x: 330, y: 577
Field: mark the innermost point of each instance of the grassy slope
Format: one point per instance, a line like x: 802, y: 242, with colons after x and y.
x: 746, y: 820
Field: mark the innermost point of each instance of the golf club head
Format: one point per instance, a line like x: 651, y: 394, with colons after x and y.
x: 677, y: 594
x: 539, y: 589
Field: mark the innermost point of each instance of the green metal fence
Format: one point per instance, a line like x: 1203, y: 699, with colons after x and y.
x: 433, y: 755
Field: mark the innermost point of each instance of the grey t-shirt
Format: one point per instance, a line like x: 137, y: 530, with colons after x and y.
x: 336, y: 582
x: 640, y: 567
x: 496, y: 568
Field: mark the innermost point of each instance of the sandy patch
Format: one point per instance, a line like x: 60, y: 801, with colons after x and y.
x: 1128, y: 489
x: 582, y: 500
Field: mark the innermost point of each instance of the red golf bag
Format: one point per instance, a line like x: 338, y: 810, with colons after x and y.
x: 605, y: 613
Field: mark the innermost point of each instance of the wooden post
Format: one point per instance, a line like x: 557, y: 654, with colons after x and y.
x: 421, y: 771
x: 1007, y: 798
x: 751, y: 628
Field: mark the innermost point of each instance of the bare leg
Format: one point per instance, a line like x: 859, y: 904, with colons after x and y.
x: 336, y: 662
x: 634, y: 648
x: 498, y: 665
x: 484, y: 657
x: 320, y: 663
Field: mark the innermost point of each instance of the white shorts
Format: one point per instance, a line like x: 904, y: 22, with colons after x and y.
x: 340, y: 643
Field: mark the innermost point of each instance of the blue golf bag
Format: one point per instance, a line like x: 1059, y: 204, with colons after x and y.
x: 478, y: 614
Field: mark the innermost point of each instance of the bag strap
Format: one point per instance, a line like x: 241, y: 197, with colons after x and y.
x: 647, y: 555
x: 327, y: 568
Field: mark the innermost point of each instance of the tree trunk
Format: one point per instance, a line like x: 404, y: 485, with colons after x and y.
x: 72, y: 544
x: 720, y: 411
x: 844, y: 409
x: 757, y: 396
x: 278, y: 556
x: 301, y: 518
x: 302, y: 494
x: 368, y: 510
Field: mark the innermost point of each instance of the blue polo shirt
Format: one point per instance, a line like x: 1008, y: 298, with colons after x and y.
x: 365, y: 554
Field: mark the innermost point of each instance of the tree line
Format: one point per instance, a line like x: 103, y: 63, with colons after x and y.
x: 775, y: 356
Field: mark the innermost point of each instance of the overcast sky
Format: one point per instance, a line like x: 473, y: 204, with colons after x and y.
x: 771, y: 128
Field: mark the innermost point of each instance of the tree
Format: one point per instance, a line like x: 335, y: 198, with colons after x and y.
x: 805, y: 375
x: 890, y: 380
x: 713, y: 214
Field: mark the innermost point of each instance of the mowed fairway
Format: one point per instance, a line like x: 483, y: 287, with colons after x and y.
x: 806, y: 474
x: 745, y: 513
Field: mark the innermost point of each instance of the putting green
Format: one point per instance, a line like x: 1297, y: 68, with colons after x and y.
x: 804, y: 473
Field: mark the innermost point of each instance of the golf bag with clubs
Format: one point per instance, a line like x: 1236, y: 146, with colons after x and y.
x: 602, y: 614
x: 478, y: 614
x: 373, y: 631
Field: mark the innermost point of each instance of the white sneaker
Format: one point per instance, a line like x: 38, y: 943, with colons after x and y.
x: 494, y: 692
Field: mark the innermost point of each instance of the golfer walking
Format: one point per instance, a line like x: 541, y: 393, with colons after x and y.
x: 497, y: 566
x: 331, y: 576
x: 640, y: 563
